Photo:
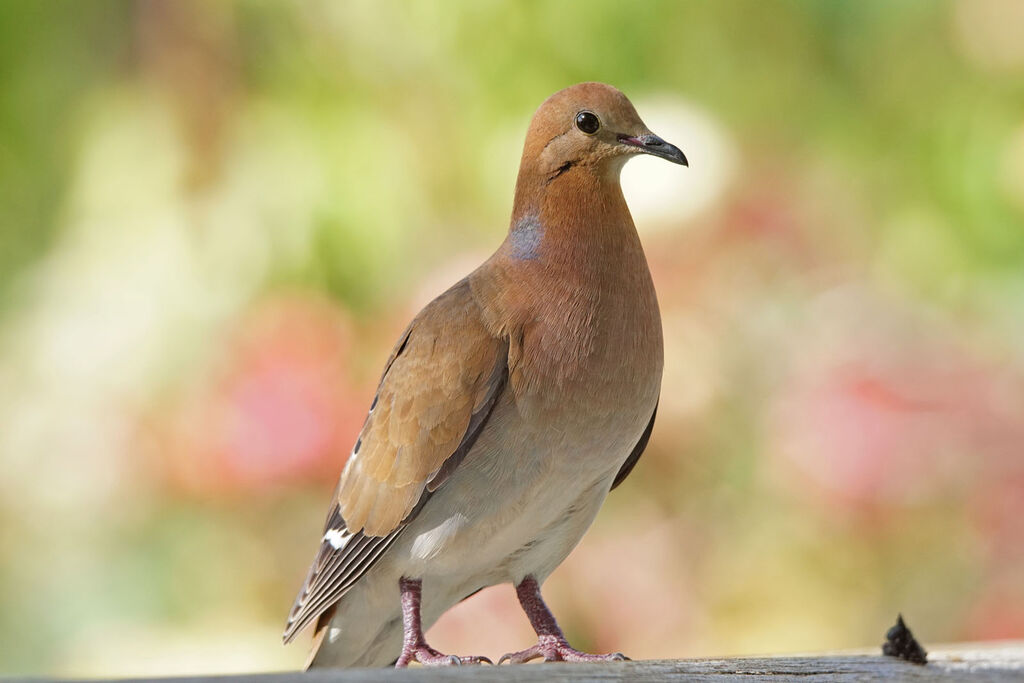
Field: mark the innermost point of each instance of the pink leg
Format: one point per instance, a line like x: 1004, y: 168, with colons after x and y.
x: 414, y: 645
x: 551, y: 643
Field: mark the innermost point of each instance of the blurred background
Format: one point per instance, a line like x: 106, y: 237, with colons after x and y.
x: 217, y: 217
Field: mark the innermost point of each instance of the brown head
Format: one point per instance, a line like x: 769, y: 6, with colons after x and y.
x: 578, y: 136
x: 590, y: 125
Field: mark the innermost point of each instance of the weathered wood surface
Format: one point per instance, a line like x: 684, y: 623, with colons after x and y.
x: 991, y: 662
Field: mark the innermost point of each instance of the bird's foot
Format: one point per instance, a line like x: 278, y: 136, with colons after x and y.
x: 555, y: 649
x: 428, y: 656
x: 414, y: 645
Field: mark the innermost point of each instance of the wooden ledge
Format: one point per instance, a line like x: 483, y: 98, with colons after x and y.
x: 1001, y: 661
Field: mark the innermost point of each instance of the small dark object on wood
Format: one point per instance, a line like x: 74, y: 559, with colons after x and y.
x: 900, y: 642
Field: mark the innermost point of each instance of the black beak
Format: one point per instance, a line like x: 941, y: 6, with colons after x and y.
x: 650, y: 143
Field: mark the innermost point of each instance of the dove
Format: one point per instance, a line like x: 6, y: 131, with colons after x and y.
x: 508, y: 409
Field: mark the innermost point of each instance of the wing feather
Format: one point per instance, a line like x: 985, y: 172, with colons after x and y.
x: 438, y: 389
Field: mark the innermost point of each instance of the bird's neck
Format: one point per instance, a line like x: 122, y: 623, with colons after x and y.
x: 572, y: 213
x: 572, y: 267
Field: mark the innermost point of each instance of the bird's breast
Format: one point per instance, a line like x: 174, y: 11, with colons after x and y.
x: 581, y: 316
x: 590, y: 359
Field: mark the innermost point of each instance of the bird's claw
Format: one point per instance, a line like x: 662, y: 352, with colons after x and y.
x: 554, y: 649
x: 428, y: 656
x: 521, y: 657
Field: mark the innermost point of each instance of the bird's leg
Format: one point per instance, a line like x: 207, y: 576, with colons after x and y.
x: 551, y: 643
x: 414, y: 645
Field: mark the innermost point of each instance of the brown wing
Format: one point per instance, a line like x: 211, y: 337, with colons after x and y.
x: 438, y: 389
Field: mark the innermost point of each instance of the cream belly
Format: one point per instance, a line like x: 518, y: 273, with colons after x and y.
x: 496, y: 520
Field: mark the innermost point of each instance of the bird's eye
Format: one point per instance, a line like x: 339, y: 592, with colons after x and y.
x: 588, y: 122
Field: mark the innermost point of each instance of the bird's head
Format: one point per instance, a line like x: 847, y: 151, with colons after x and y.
x: 593, y: 126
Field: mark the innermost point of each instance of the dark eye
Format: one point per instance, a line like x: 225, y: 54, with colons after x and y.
x: 588, y: 122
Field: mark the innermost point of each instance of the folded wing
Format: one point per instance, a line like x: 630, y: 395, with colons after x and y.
x: 438, y: 388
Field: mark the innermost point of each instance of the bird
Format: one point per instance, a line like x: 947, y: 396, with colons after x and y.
x: 508, y: 409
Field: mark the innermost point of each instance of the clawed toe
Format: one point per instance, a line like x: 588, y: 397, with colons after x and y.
x: 428, y: 656
x: 523, y: 656
x: 555, y: 650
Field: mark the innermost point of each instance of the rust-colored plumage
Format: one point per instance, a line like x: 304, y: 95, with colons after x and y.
x: 508, y: 409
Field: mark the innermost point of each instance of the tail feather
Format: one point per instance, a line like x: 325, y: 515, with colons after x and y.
x: 344, y: 639
x: 322, y: 624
